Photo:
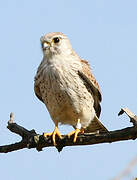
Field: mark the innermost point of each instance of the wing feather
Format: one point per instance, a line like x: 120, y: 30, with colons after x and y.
x: 37, y: 86
x: 92, y: 85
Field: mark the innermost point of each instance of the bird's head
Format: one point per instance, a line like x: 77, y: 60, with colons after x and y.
x: 55, y: 43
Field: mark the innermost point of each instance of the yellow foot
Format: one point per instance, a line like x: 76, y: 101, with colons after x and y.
x: 75, y: 133
x: 53, y: 134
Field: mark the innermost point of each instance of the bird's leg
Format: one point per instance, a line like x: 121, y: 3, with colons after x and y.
x: 82, y: 131
x: 53, y: 134
x: 76, y: 131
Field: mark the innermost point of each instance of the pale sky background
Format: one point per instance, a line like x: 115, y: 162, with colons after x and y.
x: 101, y: 31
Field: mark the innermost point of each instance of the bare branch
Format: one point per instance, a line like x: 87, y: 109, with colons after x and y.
x: 132, y: 116
x: 30, y: 139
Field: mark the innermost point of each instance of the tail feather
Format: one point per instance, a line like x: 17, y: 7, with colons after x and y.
x: 95, y: 125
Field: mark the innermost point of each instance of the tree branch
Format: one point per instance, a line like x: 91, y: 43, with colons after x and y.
x: 30, y: 139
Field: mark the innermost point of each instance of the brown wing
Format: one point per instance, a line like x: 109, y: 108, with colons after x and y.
x: 37, y: 92
x: 37, y: 89
x: 92, y: 85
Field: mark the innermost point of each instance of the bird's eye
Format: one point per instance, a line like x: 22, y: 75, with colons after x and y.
x: 56, y: 40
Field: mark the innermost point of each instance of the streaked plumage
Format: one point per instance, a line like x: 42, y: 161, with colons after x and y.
x: 65, y: 84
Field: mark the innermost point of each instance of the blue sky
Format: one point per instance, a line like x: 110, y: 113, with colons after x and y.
x: 102, y: 31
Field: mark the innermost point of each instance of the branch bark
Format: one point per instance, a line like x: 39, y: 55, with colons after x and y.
x: 30, y: 139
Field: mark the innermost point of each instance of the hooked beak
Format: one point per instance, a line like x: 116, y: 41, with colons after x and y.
x: 45, y: 45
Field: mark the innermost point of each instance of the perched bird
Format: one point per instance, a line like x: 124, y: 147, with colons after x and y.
x: 65, y: 84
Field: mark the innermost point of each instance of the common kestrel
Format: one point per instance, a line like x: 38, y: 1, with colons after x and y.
x: 65, y: 84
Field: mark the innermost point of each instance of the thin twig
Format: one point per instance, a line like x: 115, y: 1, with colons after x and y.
x: 127, y: 170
